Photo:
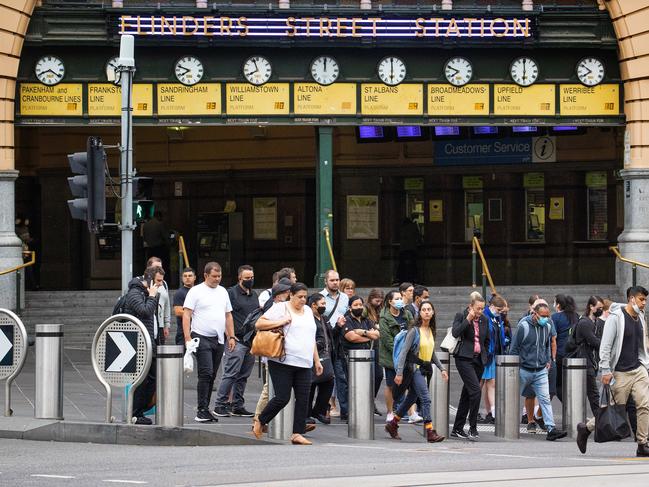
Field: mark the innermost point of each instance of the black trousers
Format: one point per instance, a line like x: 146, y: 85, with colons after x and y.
x: 287, y: 377
x: 144, y: 393
x: 560, y: 378
x: 592, y: 392
x: 470, y: 371
x: 378, y: 373
x: 208, y: 359
x: 324, y: 390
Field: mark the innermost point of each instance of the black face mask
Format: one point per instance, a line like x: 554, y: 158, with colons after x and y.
x: 248, y: 283
x: 598, y: 312
x: 321, y: 310
x: 357, y: 312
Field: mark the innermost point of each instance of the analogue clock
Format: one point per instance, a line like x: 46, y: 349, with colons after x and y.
x: 111, y: 70
x: 189, y: 70
x: 590, y: 71
x: 391, y: 70
x: 524, y: 71
x: 49, y: 70
x: 257, y: 70
x: 458, y: 71
x: 325, y: 70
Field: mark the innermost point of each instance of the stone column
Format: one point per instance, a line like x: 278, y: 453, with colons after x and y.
x: 634, y: 240
x: 10, y: 244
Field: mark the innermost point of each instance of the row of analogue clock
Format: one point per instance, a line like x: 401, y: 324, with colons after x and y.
x: 325, y: 70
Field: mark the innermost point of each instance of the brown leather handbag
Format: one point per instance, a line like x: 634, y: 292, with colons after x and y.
x: 269, y: 343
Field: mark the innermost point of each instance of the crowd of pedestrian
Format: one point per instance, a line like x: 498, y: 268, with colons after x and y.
x: 318, y: 332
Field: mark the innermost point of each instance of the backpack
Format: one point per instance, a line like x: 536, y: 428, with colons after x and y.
x: 249, y: 330
x: 572, y: 347
x: 120, y: 305
x: 399, y: 341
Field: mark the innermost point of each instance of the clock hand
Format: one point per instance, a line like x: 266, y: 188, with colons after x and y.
x: 391, y: 68
x: 455, y: 71
x: 186, y: 70
x: 325, y: 64
x: 524, y: 69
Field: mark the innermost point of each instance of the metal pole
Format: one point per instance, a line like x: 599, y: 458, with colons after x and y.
x: 474, y: 265
x: 439, y: 393
x: 181, y: 266
x: 634, y: 272
x: 484, y: 284
x: 127, y: 68
x: 281, y: 427
x: 19, y: 279
x: 360, y: 378
x: 508, y: 397
x: 169, y: 386
x: 324, y: 201
x: 574, y: 394
x: 48, y: 403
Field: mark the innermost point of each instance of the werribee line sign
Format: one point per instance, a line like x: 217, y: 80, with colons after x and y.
x: 329, y: 27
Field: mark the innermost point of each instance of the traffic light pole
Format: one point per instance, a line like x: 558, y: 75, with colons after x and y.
x: 126, y: 68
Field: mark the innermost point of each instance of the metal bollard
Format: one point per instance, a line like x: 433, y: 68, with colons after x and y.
x: 281, y: 426
x: 360, y: 381
x: 48, y: 403
x: 574, y: 394
x: 439, y: 392
x: 169, y: 386
x: 508, y: 397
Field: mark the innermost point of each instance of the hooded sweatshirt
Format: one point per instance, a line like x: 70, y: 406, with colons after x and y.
x: 531, y: 343
x: 141, y: 305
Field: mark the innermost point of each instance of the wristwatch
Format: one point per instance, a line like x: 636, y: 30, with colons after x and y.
x: 364, y: 333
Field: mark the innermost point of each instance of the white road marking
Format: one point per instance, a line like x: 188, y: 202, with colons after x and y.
x: 47, y: 476
x: 117, y: 481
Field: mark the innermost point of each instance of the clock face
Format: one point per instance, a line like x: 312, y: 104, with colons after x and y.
x: 524, y: 71
x: 325, y: 70
x: 111, y: 70
x: 49, y: 70
x: 189, y: 70
x: 257, y: 70
x: 590, y: 71
x: 458, y: 71
x: 392, y: 70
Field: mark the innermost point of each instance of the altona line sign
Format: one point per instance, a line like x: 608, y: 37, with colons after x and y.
x: 325, y: 27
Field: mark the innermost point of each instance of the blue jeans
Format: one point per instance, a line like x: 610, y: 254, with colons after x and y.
x: 418, y: 390
x: 538, y: 382
x: 237, y: 367
x: 340, y: 372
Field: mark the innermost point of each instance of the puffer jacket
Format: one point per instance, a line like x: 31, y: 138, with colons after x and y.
x: 141, y: 305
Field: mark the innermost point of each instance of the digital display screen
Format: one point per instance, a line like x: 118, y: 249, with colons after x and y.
x: 526, y: 129
x: 565, y: 128
x: 485, y: 130
x: 447, y: 131
x: 407, y: 131
x: 370, y: 132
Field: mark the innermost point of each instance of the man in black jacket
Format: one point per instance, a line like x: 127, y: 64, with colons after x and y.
x: 471, y: 327
x: 142, y: 302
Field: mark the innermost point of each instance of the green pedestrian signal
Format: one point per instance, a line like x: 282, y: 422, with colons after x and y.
x: 143, y: 210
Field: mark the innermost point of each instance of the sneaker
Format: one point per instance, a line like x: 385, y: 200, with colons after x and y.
x: 459, y: 434
x: 223, y: 412
x: 531, y: 428
x: 310, y: 420
x: 524, y: 419
x: 642, y: 451
x: 241, y: 412
x: 376, y: 411
x: 415, y: 418
x: 489, y: 419
x: 481, y: 419
x: 204, y: 416
x: 392, y: 427
x: 343, y: 418
x: 473, y: 434
x: 141, y: 420
x: 322, y: 419
x: 582, y: 437
x: 556, y: 434
x: 541, y: 424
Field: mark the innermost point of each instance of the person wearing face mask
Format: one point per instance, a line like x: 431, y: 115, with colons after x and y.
x: 372, y: 311
x: 238, y: 362
x: 587, y: 343
x: 323, y: 384
x: 472, y: 328
x: 624, y: 362
x: 392, y: 319
x: 532, y: 344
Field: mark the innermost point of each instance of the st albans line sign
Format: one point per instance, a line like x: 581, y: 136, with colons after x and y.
x: 337, y: 27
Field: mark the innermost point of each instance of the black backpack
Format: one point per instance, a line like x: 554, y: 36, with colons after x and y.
x: 249, y: 330
x: 120, y: 305
x: 573, y: 348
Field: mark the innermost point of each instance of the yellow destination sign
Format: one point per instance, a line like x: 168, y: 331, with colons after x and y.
x: 105, y: 100
x: 516, y: 100
x: 405, y: 99
x: 247, y: 99
x: 458, y: 100
x: 589, y: 100
x: 64, y: 100
x: 314, y: 99
x: 200, y: 99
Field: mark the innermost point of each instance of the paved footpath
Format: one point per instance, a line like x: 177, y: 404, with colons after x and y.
x: 332, y: 460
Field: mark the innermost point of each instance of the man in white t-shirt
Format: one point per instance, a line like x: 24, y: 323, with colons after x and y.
x: 207, y: 315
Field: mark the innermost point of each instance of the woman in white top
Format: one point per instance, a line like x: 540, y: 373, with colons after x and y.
x: 293, y: 371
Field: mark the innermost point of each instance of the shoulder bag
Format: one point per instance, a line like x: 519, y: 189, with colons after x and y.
x: 450, y: 343
x: 270, y: 343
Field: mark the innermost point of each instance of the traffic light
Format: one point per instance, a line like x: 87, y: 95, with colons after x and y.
x: 89, y: 185
x: 143, y: 205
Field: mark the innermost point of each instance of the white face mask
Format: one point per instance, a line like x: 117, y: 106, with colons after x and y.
x: 635, y: 306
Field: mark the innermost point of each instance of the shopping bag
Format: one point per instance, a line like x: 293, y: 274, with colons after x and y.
x: 611, y: 421
x: 188, y: 360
